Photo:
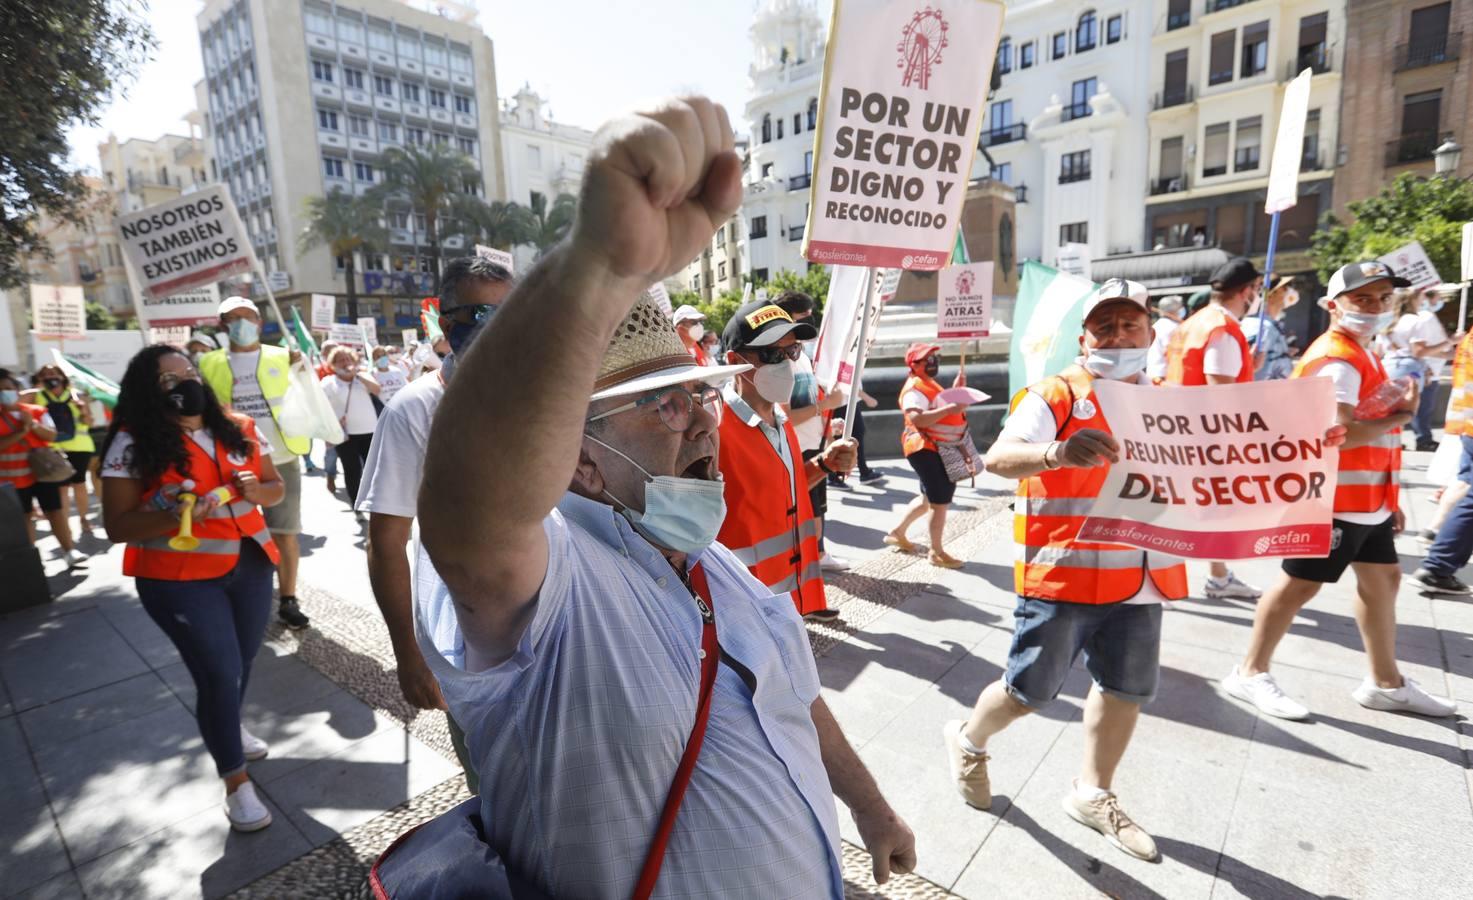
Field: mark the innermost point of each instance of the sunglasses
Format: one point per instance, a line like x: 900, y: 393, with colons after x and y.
x: 479, y: 312
x: 772, y: 355
x: 675, y: 406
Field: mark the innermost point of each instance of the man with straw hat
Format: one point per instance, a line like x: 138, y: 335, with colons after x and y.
x: 641, y: 710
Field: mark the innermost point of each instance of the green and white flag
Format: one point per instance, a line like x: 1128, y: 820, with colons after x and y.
x: 1047, y: 319
x: 96, y: 385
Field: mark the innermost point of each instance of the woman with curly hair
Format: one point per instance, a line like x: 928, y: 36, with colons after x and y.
x: 171, y: 439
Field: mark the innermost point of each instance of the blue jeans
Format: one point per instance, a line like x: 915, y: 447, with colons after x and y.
x: 1408, y: 366
x: 1121, y: 644
x: 1454, y: 544
x: 217, y: 624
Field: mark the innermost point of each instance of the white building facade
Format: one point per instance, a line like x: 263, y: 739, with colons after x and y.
x: 543, y: 158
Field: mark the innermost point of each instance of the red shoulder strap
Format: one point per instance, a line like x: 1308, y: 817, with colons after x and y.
x: 710, y: 654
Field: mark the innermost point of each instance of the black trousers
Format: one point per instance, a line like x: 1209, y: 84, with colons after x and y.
x: 353, y: 455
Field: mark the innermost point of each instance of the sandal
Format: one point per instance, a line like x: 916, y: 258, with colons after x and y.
x: 944, y: 561
x: 900, y: 543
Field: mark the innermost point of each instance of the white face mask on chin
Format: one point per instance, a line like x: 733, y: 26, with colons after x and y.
x: 1119, y: 364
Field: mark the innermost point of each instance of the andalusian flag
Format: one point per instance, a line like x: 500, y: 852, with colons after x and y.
x: 959, y: 252
x: 429, y: 318
x: 1047, y: 321
x: 99, y: 387
x: 304, y: 337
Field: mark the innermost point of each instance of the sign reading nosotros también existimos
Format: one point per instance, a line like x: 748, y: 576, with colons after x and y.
x: 191, y: 240
x: 1232, y: 471
x: 904, y: 84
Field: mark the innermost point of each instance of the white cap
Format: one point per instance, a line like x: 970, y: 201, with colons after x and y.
x: 1117, y: 289
x: 231, y: 304
x: 201, y: 338
x: 688, y: 313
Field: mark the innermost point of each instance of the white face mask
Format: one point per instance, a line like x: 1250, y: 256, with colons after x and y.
x: 696, y: 332
x: 774, y: 383
x: 680, y: 514
x: 1364, y: 324
x: 1119, y: 364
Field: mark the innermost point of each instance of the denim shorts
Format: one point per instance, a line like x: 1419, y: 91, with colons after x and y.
x: 1121, y: 644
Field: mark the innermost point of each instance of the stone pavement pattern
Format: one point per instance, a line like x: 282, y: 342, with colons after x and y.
x: 108, y: 791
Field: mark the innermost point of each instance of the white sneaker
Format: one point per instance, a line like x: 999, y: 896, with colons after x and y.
x: 833, y: 563
x: 1230, y: 588
x: 74, y: 558
x: 1408, y: 698
x: 1263, y: 692
x: 245, y: 810
x: 254, y: 747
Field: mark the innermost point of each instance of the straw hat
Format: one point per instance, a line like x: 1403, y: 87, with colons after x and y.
x: 647, y: 354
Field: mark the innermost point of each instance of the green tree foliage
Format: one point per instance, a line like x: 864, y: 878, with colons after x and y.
x: 99, y: 318
x: 499, y: 224
x: 431, y: 179
x: 551, y: 222
x: 346, y: 224
x: 1411, y: 208
x: 814, y: 283
x: 719, y: 309
x: 60, y: 62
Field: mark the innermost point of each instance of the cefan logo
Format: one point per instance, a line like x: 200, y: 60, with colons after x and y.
x: 921, y: 43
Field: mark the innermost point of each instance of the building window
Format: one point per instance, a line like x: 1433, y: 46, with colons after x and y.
x: 318, y: 22
x: 1025, y: 56
x: 352, y: 32
x: 1250, y: 140
x: 812, y: 113
x: 1255, y: 49
x: 1421, y: 117
x: 534, y: 157
x: 759, y: 276
x: 383, y: 86
x: 1002, y: 172
x: 332, y: 168
x: 758, y: 227
x: 414, y: 136
x: 779, y: 129
x: 1220, y: 60
x: 1310, y: 158
x: 462, y: 104
x: 1178, y: 14
x: 1174, y: 89
x: 1005, y: 251
x: 379, y: 39
x: 1313, y: 50
x: 321, y: 71
x: 411, y: 92
x: 466, y: 145
x: 1074, y: 167
x: 1074, y: 233
x: 536, y: 199
x: 439, y: 139
x: 1427, y: 42
x: 721, y: 271
x: 362, y: 171
x: 1079, y: 94
x: 766, y: 128
x: 1215, y: 149
x: 408, y: 47
x: 721, y: 237
x: 808, y: 162
x: 1114, y: 29
x: 1086, y: 33
x: 1061, y: 44
x: 327, y: 120
x: 767, y: 170
x: 388, y: 131
x: 695, y: 282
x: 357, y: 126
x: 1171, y: 178
x: 1005, y: 56
x: 353, y: 78
x: 435, y: 56
x: 437, y: 98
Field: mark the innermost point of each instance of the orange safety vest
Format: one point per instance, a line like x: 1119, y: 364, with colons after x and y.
x: 1187, y: 346
x: 946, y: 430
x: 1369, y: 476
x: 15, y: 460
x: 1051, y: 563
x: 220, y: 533
x: 773, y: 537
x: 1460, y: 404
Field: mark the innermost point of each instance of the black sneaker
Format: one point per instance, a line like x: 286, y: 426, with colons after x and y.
x: 871, y: 477
x: 1438, y: 584
x: 1426, y: 446
x: 291, y: 614
x: 821, y: 615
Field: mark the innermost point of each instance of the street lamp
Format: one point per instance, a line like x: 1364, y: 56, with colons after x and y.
x: 1447, y: 157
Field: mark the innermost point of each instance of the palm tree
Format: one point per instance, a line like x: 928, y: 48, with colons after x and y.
x: 502, y: 224
x: 345, y: 224
x: 552, y: 224
x: 430, y: 178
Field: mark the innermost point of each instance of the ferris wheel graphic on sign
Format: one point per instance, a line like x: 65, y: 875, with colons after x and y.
x: 921, y: 43
x: 965, y: 281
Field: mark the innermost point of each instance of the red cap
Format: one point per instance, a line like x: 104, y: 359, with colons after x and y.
x: 917, y: 352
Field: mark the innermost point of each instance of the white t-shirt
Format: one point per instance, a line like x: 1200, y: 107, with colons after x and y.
x: 119, y: 460
x: 1426, y: 329
x: 805, y: 393
x: 247, y: 399
x: 351, y: 399
x: 396, y: 460
x: 1033, y: 423
x: 1156, y: 356
x: 1347, y: 390
x: 1223, y: 356
x: 1399, y: 339
x: 392, y: 380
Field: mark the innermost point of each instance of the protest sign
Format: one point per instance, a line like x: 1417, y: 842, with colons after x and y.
x: 500, y: 257
x: 964, y: 303
x: 1237, y: 471
x: 1412, y: 263
x: 178, y: 335
x: 837, y: 352
x: 188, y: 241
x: 1467, y: 254
x: 900, y: 110
x: 343, y: 333
x: 105, y: 351
x: 1283, y: 170
x: 324, y: 311
x: 1074, y: 259
x: 408, y: 336
x: 370, y: 330
x: 661, y: 296
x: 58, y: 310
x: 197, y: 306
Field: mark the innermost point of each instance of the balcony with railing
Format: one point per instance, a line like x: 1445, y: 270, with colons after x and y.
x: 1073, y: 111
x: 1212, y: 6
x: 1245, y: 159
x: 1004, y: 134
x: 1414, y: 147
x: 1169, y: 185
x: 800, y: 182
x: 1178, y: 19
x: 1429, y: 51
x: 1074, y: 175
x: 1316, y: 59
x: 1174, y: 95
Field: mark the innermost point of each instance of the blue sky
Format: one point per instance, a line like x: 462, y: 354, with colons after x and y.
x: 590, y: 58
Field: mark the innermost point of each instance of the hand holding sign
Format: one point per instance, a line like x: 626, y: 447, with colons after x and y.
x: 1086, y: 449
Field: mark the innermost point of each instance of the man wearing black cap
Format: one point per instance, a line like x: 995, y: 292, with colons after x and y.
x: 1367, y: 513
x: 1210, y: 348
x: 773, y: 531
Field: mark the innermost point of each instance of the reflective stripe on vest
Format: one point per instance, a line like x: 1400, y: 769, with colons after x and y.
x: 946, y: 430
x: 1460, y: 404
x: 1369, y: 476
x: 769, y: 521
x: 1051, y: 563
x: 1186, y: 349
x: 15, y: 460
x: 273, y: 375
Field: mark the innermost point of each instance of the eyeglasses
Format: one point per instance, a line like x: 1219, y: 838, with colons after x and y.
x: 479, y: 311
x: 675, y: 406
x: 771, y: 355
x: 170, y: 380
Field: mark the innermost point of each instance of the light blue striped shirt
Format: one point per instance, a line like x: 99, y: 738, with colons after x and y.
x: 576, y: 738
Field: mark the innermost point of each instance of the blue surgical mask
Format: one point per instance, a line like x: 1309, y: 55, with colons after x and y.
x: 9, y: 398
x: 680, y: 514
x: 1119, y: 364
x: 1364, y: 324
x: 460, y: 334
x: 1435, y: 306
x: 244, y: 332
